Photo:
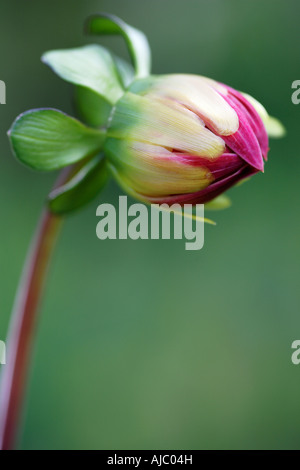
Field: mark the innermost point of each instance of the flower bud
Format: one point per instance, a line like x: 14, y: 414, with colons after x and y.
x: 183, y: 138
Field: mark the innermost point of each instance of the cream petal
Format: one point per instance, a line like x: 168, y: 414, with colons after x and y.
x: 202, y: 96
x: 165, y: 123
x: 154, y: 171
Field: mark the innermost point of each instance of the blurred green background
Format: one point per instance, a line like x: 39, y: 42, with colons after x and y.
x: 141, y: 344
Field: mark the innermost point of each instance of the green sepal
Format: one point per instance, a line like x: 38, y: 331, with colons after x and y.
x: 275, y: 129
x: 136, y: 41
x: 219, y: 203
x: 90, y: 66
x: 83, y: 186
x: 92, y: 108
x: 47, y: 139
x: 125, y: 70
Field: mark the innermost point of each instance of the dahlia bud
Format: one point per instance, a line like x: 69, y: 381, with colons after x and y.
x: 166, y: 139
x: 183, y: 138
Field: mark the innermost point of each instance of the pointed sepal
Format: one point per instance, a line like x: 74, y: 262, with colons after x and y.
x: 90, y: 66
x: 47, y: 139
x: 136, y: 41
x: 84, y: 185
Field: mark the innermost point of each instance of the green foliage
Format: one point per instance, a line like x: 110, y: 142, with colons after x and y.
x: 136, y: 41
x: 47, y: 139
x: 90, y: 66
x: 83, y: 186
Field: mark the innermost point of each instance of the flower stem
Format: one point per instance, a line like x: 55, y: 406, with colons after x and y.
x: 22, y: 326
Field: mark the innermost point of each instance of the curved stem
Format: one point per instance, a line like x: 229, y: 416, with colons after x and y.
x: 22, y: 326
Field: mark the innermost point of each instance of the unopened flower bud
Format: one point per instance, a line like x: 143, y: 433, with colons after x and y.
x: 184, y: 138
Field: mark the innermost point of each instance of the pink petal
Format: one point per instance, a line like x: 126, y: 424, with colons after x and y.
x: 244, y: 142
x: 209, y: 193
x: 254, y: 120
x: 221, y: 167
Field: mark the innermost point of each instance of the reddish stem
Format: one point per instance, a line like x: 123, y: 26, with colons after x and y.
x: 22, y: 326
